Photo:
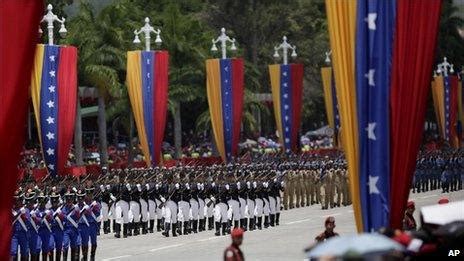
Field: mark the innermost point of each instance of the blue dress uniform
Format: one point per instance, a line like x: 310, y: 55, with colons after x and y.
x: 20, y: 232
x: 33, y: 225
x: 71, y: 236
x: 92, y: 215
x: 57, y: 225
x: 83, y: 223
x: 45, y: 230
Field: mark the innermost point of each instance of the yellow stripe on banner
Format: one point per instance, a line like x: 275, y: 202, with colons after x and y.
x: 341, y: 17
x: 274, y: 73
x: 440, y: 93
x: 326, y: 73
x: 460, y: 112
x: 134, y: 88
x: 36, y: 82
x: 213, y: 90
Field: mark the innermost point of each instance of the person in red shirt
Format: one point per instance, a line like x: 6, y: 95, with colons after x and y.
x: 233, y: 252
x: 409, y: 223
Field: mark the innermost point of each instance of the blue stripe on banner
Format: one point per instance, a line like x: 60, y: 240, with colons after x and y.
x: 374, y: 36
x: 49, y: 107
x: 227, y: 105
x: 147, y: 65
x: 286, y: 105
x: 447, y: 103
x: 335, y: 105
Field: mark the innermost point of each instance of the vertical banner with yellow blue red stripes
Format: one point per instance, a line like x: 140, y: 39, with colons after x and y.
x: 287, y: 92
x: 54, y: 94
x: 225, y: 89
x: 331, y: 103
x: 147, y: 85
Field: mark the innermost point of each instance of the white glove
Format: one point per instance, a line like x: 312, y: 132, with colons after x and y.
x: 202, y: 186
x: 86, y: 207
x: 58, y: 211
x: 128, y: 186
x: 176, y: 186
x: 76, y: 208
x: 23, y: 211
x: 213, y: 199
x: 36, y: 187
x: 102, y: 188
x: 227, y: 186
x: 139, y: 187
x: 238, y: 185
x: 265, y: 184
x: 48, y: 212
x: 187, y: 185
x: 213, y: 184
x: 74, y: 189
x: 113, y: 198
x: 248, y: 184
x: 282, y: 184
x: 198, y: 186
x: 255, y: 184
x: 157, y: 186
x: 275, y: 180
x: 147, y: 186
x: 108, y: 187
x: 163, y: 199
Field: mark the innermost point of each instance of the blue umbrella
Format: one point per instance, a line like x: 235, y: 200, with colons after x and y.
x: 362, y: 244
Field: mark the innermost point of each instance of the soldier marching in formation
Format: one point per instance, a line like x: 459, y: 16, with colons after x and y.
x: 62, y: 217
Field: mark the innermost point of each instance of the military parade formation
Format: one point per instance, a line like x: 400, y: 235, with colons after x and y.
x: 62, y: 217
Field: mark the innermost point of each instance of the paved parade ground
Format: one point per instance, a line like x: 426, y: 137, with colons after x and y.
x: 297, y: 230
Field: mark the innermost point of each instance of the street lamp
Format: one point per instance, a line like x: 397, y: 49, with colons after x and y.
x: 327, y: 57
x: 147, y: 29
x: 223, y: 38
x: 50, y: 18
x: 442, y: 68
x: 285, y: 47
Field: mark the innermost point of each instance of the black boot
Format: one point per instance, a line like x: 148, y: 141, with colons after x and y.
x: 44, y: 256
x: 151, y: 225
x: 85, y: 250
x: 218, y: 227
x: 163, y: 222
x: 174, y: 230
x: 77, y: 255
x: 224, y: 228
x: 57, y: 255
x: 158, y: 224
x: 73, y: 254
x: 210, y: 223
x: 252, y: 224
x: 93, y: 250
x: 200, y: 225
x: 125, y: 230
x: 266, y: 221
x: 259, y: 225
x: 65, y: 255
x: 144, y: 228
x: 117, y: 230
x: 106, y: 227
x: 272, y: 219
x: 235, y: 223
x: 114, y: 225
x: 166, y: 230
x: 186, y: 228
x: 245, y: 223
x: 195, y: 226
x: 136, y: 228
x: 179, y: 228
x: 242, y: 223
x: 129, y: 229
x: 277, y: 217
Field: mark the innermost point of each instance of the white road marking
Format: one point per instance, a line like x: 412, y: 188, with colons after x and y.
x: 165, y: 247
x: 331, y: 215
x: 299, y: 221
x: 116, y: 257
x: 208, y: 239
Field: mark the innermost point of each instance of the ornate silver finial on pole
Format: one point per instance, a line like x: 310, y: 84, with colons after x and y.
x: 285, y: 47
x: 442, y: 68
x: 223, y: 38
x: 50, y: 18
x: 327, y: 57
x: 147, y: 29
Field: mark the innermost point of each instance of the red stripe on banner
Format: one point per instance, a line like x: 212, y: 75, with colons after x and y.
x: 67, y: 99
x: 413, y: 54
x: 19, y: 20
x: 454, y: 141
x: 237, y: 101
x: 296, y: 71
x: 160, y: 102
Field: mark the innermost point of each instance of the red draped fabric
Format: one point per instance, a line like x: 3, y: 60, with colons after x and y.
x: 19, y: 20
x: 237, y: 101
x: 297, y: 97
x: 160, y: 104
x: 67, y: 82
x: 413, y: 55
